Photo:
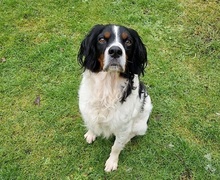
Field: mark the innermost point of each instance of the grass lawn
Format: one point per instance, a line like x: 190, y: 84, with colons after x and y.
x: 41, y: 130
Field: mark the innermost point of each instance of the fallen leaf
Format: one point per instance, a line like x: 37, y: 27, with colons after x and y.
x: 3, y: 60
x: 37, y: 101
x: 210, y: 168
x: 208, y: 156
x: 170, y: 145
x: 158, y: 117
x: 186, y: 175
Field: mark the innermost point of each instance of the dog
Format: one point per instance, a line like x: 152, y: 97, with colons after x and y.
x: 112, y: 100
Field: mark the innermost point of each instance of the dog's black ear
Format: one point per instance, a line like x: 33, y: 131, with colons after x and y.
x: 87, y: 55
x: 138, y: 60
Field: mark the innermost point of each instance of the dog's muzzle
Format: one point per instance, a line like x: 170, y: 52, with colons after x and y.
x: 115, y: 59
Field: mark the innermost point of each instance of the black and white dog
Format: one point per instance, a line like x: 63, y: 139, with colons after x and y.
x: 112, y: 100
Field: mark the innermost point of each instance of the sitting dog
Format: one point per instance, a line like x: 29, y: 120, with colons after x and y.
x: 112, y: 100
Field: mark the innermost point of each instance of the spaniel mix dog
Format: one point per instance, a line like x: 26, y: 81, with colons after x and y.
x: 112, y: 100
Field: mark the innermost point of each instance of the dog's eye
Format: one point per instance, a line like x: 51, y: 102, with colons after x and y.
x: 102, y: 40
x: 128, y: 42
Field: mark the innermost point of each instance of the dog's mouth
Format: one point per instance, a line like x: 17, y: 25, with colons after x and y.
x: 114, y: 65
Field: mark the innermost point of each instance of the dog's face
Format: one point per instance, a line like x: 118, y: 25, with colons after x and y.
x: 114, y: 44
x: 113, y: 48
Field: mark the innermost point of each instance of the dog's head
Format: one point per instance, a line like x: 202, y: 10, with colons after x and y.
x: 113, y: 48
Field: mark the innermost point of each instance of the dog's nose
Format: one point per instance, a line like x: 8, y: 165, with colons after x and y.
x: 115, y: 51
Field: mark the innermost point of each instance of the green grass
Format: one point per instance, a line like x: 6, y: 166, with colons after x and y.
x: 39, y: 41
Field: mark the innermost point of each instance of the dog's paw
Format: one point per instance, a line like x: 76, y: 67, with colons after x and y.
x: 90, y: 137
x: 111, y: 164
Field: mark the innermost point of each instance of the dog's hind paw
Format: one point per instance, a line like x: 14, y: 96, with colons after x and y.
x: 90, y: 137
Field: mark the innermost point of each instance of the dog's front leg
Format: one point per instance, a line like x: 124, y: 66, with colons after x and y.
x: 112, y: 162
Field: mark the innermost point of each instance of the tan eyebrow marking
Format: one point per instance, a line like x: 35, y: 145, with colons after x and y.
x: 124, y: 35
x: 107, y: 35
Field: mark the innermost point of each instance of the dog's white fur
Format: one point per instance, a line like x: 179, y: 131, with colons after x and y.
x: 103, y: 114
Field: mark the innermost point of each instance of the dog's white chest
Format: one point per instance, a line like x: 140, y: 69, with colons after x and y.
x: 99, y: 101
